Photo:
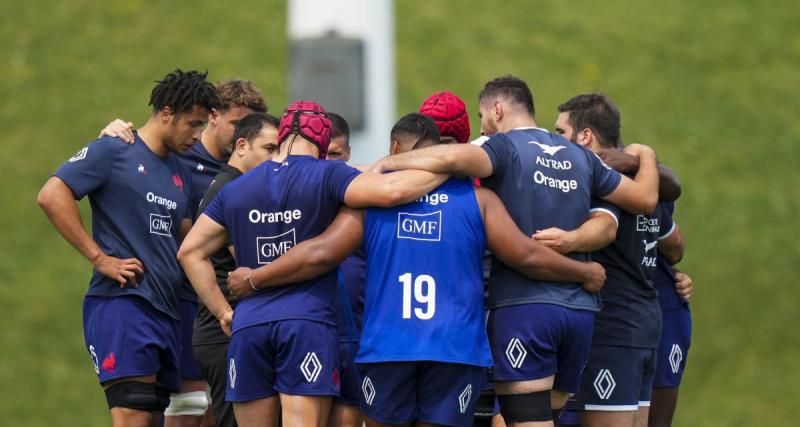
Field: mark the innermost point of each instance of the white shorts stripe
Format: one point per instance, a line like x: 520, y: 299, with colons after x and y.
x: 611, y: 408
x: 644, y: 403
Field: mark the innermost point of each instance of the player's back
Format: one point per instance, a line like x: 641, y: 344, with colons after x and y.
x: 545, y: 181
x: 424, y: 285
x: 269, y: 210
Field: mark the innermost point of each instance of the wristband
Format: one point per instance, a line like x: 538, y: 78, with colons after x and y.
x: 250, y: 280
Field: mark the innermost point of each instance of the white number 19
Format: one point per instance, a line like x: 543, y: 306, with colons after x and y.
x: 424, y: 293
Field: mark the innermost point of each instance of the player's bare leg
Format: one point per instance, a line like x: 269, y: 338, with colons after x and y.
x: 641, y: 416
x: 525, y: 387
x: 607, y: 418
x: 372, y: 423
x: 187, y: 386
x: 257, y: 413
x: 305, y: 411
x: 663, y: 403
x: 127, y: 417
x: 345, y: 416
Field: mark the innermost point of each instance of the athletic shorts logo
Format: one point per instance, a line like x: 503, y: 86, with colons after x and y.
x: 311, y: 367
x: 94, y: 360
x: 80, y: 155
x: 675, y: 358
x: 271, y: 247
x: 427, y: 227
x: 604, y: 384
x: 464, y: 398
x: 516, y: 353
x: 232, y: 372
x: 160, y: 224
x: 368, y: 389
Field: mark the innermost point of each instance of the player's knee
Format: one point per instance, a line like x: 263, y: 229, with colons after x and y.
x: 520, y: 408
x: 137, y: 395
x: 189, y: 403
x: 558, y: 399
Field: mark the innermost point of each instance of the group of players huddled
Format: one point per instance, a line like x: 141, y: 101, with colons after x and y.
x: 521, y: 278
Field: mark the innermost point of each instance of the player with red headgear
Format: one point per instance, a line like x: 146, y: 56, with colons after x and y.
x: 450, y: 115
x: 285, y: 344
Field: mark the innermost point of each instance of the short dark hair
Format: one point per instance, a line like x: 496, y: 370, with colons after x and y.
x: 181, y: 91
x: 339, y: 126
x: 418, y: 126
x: 510, y: 88
x: 240, y: 93
x: 251, y: 125
x: 596, y: 112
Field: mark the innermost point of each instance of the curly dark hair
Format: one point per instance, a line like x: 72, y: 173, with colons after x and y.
x: 181, y: 91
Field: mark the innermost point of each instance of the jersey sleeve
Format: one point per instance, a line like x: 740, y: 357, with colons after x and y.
x: 604, y: 179
x: 339, y: 177
x: 216, y: 209
x: 88, y: 169
x: 600, y: 205
x: 667, y: 224
x: 498, y: 148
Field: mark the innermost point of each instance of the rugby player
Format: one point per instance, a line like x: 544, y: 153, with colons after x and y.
x: 238, y: 98
x: 450, y: 115
x: 339, y: 148
x: 284, y: 345
x: 674, y: 291
x: 423, y: 357
x: 255, y: 140
x: 141, y: 205
x: 540, y: 330
x: 617, y: 383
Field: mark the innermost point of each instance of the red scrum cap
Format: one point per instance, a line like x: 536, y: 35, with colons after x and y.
x: 449, y: 113
x: 309, y: 120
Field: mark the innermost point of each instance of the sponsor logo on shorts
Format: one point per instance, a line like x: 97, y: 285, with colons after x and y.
x: 160, y: 224
x: 80, y: 155
x: 271, y: 247
x: 464, y: 398
x: 93, y: 355
x: 516, y: 353
x: 368, y: 389
x: 604, y: 384
x: 675, y: 358
x: 427, y: 227
x: 232, y: 372
x: 311, y: 367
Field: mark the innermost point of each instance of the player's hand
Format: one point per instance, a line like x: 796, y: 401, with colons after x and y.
x: 639, y: 150
x: 376, y: 167
x: 620, y: 161
x: 597, y: 278
x: 559, y: 240
x: 123, y: 271
x: 683, y: 285
x: 238, y: 283
x: 119, y: 129
x: 226, y: 321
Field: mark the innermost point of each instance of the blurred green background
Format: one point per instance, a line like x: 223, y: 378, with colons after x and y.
x: 712, y: 85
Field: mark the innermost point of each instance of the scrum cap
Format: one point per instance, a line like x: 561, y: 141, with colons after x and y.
x: 309, y: 120
x: 449, y: 113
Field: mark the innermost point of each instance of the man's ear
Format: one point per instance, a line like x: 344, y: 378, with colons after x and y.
x: 165, y: 114
x: 585, y: 137
x: 498, y: 111
x: 394, y: 148
x: 241, y: 146
x: 213, y: 117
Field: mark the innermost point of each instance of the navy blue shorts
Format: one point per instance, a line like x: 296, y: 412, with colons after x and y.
x: 349, y: 377
x: 568, y: 418
x: 616, y: 379
x: 294, y: 357
x: 675, y: 341
x: 127, y: 337
x: 430, y: 392
x: 189, y: 368
x: 534, y: 341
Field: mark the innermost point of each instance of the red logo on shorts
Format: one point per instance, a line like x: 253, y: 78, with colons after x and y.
x: 109, y: 363
x: 177, y: 181
x: 336, y: 378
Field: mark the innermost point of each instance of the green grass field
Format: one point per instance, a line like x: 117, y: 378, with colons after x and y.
x: 711, y: 85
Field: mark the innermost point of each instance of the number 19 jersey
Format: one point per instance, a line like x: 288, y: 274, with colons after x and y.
x: 423, y: 297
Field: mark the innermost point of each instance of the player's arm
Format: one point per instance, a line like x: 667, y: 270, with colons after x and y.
x: 57, y: 201
x: 594, y: 234
x: 204, y: 239
x: 453, y: 159
x: 120, y: 129
x: 671, y: 246
x: 669, y: 186
x: 638, y: 195
x: 390, y: 189
x: 309, y: 259
x: 507, y: 242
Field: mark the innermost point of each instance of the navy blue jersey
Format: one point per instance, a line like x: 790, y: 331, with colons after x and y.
x: 138, y: 201
x: 665, y: 279
x: 424, y: 283
x: 350, y: 297
x: 269, y: 210
x: 203, y: 167
x: 545, y: 181
x: 631, y: 314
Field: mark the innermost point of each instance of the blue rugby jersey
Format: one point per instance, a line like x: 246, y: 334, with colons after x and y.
x: 350, y: 296
x: 424, y: 282
x: 269, y: 210
x: 138, y: 201
x: 545, y: 181
x: 664, y: 280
